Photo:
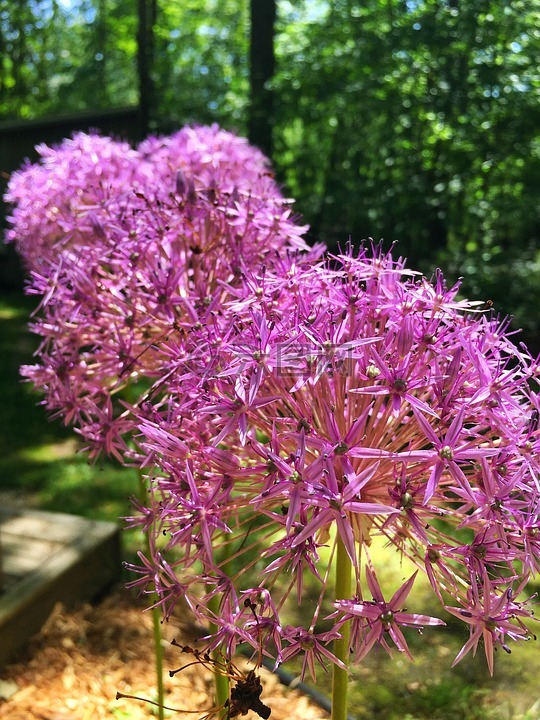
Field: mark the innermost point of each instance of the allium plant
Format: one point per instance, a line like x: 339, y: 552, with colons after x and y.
x: 49, y: 196
x: 326, y: 404
x: 287, y: 410
x: 59, y: 201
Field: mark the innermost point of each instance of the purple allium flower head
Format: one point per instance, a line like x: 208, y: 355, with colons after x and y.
x: 128, y: 256
x: 349, y: 399
x: 287, y: 409
x: 209, y: 154
x: 71, y: 181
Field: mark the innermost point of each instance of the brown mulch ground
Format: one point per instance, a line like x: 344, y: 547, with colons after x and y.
x: 74, y: 667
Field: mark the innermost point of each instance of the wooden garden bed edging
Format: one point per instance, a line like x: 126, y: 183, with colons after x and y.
x: 50, y: 558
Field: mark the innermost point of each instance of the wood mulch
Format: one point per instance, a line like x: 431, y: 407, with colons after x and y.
x: 73, y: 669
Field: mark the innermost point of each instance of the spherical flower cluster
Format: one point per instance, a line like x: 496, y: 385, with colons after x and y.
x: 208, y: 153
x: 49, y: 196
x: 123, y: 245
x: 327, y: 404
x: 59, y: 201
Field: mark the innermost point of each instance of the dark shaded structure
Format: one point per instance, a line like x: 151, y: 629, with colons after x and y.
x: 18, y: 139
x: 262, y: 65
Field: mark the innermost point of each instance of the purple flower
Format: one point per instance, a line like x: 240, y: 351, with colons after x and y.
x: 121, y: 260
x: 375, y: 621
x: 313, y: 648
x: 300, y: 387
x: 449, y: 451
x: 334, y: 504
x: 491, y: 617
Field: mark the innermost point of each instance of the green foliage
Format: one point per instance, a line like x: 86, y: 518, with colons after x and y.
x: 56, y: 57
x: 200, y: 67
x: 414, y: 120
x: 418, y: 121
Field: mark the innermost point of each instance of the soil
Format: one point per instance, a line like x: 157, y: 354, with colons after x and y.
x: 82, y: 657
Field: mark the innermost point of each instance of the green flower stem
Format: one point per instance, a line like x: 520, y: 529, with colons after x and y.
x: 220, y: 679
x: 158, y: 652
x: 340, y: 677
x: 156, y: 621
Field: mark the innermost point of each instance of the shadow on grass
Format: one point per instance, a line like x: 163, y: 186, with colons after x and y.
x: 23, y: 421
x: 39, y: 459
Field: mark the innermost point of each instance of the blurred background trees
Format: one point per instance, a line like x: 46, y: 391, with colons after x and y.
x: 409, y: 120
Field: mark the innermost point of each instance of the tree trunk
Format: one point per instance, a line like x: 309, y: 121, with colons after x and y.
x: 262, y: 67
x: 146, y: 10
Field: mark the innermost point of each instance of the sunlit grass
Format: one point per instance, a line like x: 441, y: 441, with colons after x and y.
x: 393, y: 688
x: 41, y: 464
x: 10, y: 312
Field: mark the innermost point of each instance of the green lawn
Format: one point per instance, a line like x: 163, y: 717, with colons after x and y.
x: 429, y: 689
x: 40, y: 462
x: 40, y: 465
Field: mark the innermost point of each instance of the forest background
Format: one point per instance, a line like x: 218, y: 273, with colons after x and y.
x: 408, y: 120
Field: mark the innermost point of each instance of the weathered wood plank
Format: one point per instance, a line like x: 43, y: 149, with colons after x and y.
x: 50, y: 558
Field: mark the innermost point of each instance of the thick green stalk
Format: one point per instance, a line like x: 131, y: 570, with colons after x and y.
x: 340, y: 677
x: 221, y: 681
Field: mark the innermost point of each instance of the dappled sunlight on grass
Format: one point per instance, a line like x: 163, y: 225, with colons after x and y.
x: 8, y: 312
x: 41, y: 460
x: 49, y: 452
x: 393, y: 688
